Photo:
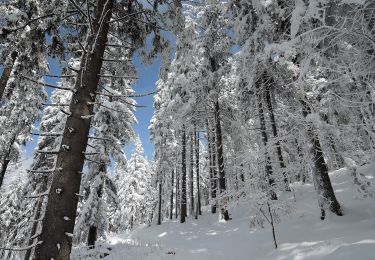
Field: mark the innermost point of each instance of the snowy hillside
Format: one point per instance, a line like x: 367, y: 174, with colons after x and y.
x: 302, y: 235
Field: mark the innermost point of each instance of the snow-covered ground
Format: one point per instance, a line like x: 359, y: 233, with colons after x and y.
x: 301, y: 235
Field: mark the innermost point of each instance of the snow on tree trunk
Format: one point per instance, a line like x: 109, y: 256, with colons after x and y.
x: 160, y: 198
x: 321, y: 177
x: 275, y: 134
x: 220, y: 160
x: 177, y: 190
x: 263, y: 132
x: 6, y: 160
x: 196, y: 136
x: 171, y: 197
x: 212, y: 166
x: 93, y: 230
x: 191, y: 177
x: 6, y: 73
x: 183, y: 212
x: 62, y: 201
x: 3, y: 169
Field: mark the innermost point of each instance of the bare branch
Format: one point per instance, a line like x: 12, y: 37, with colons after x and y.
x: 124, y: 17
x: 78, y: 8
x: 47, y: 134
x: 118, y: 46
x: 115, y: 76
x: 59, y: 76
x: 45, y: 84
x: 55, y: 105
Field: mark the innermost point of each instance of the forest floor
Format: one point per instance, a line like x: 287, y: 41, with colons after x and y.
x: 301, y: 235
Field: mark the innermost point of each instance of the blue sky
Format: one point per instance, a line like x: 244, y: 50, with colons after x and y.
x: 148, y: 75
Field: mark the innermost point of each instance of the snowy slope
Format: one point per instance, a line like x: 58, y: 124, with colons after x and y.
x: 302, y: 235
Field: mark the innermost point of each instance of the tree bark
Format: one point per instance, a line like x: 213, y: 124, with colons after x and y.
x: 191, y: 177
x: 196, y: 136
x: 92, y: 236
x: 4, y: 167
x: 211, y: 155
x: 93, y: 230
x: 177, y: 191
x: 6, y: 73
x: 220, y: 160
x: 55, y: 240
x: 183, y: 177
x: 322, y: 180
x: 275, y: 135
x: 160, y: 199
x: 6, y: 160
x: 171, y: 199
x: 263, y: 132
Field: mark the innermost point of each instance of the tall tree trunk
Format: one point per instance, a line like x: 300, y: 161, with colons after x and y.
x: 263, y: 132
x: 196, y: 136
x: 62, y: 201
x: 191, y: 176
x: 92, y: 236
x: 177, y: 191
x: 6, y: 73
x: 160, y: 198
x: 6, y: 159
x: 275, y: 134
x: 302, y: 171
x: 212, y: 159
x: 4, y: 167
x: 322, y: 180
x: 171, y: 199
x: 160, y: 184
x: 183, y: 177
x: 93, y: 230
x: 220, y: 160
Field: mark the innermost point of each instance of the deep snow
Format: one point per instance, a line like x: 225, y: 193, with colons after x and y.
x: 301, y: 235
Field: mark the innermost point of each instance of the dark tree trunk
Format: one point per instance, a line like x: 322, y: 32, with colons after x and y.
x: 220, y: 161
x: 199, y: 211
x: 272, y: 225
x: 235, y: 173
x: 303, y: 171
x: 93, y: 230
x: 91, y: 239
x: 191, y: 176
x: 322, y: 180
x: 177, y: 191
x: 6, y: 160
x: 212, y: 159
x: 160, y: 185
x: 6, y: 74
x: 160, y: 199
x: 275, y: 135
x: 62, y: 200
x: 171, y: 199
x: 183, y: 177
x: 263, y: 132
x: 131, y: 222
x: 4, y: 167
